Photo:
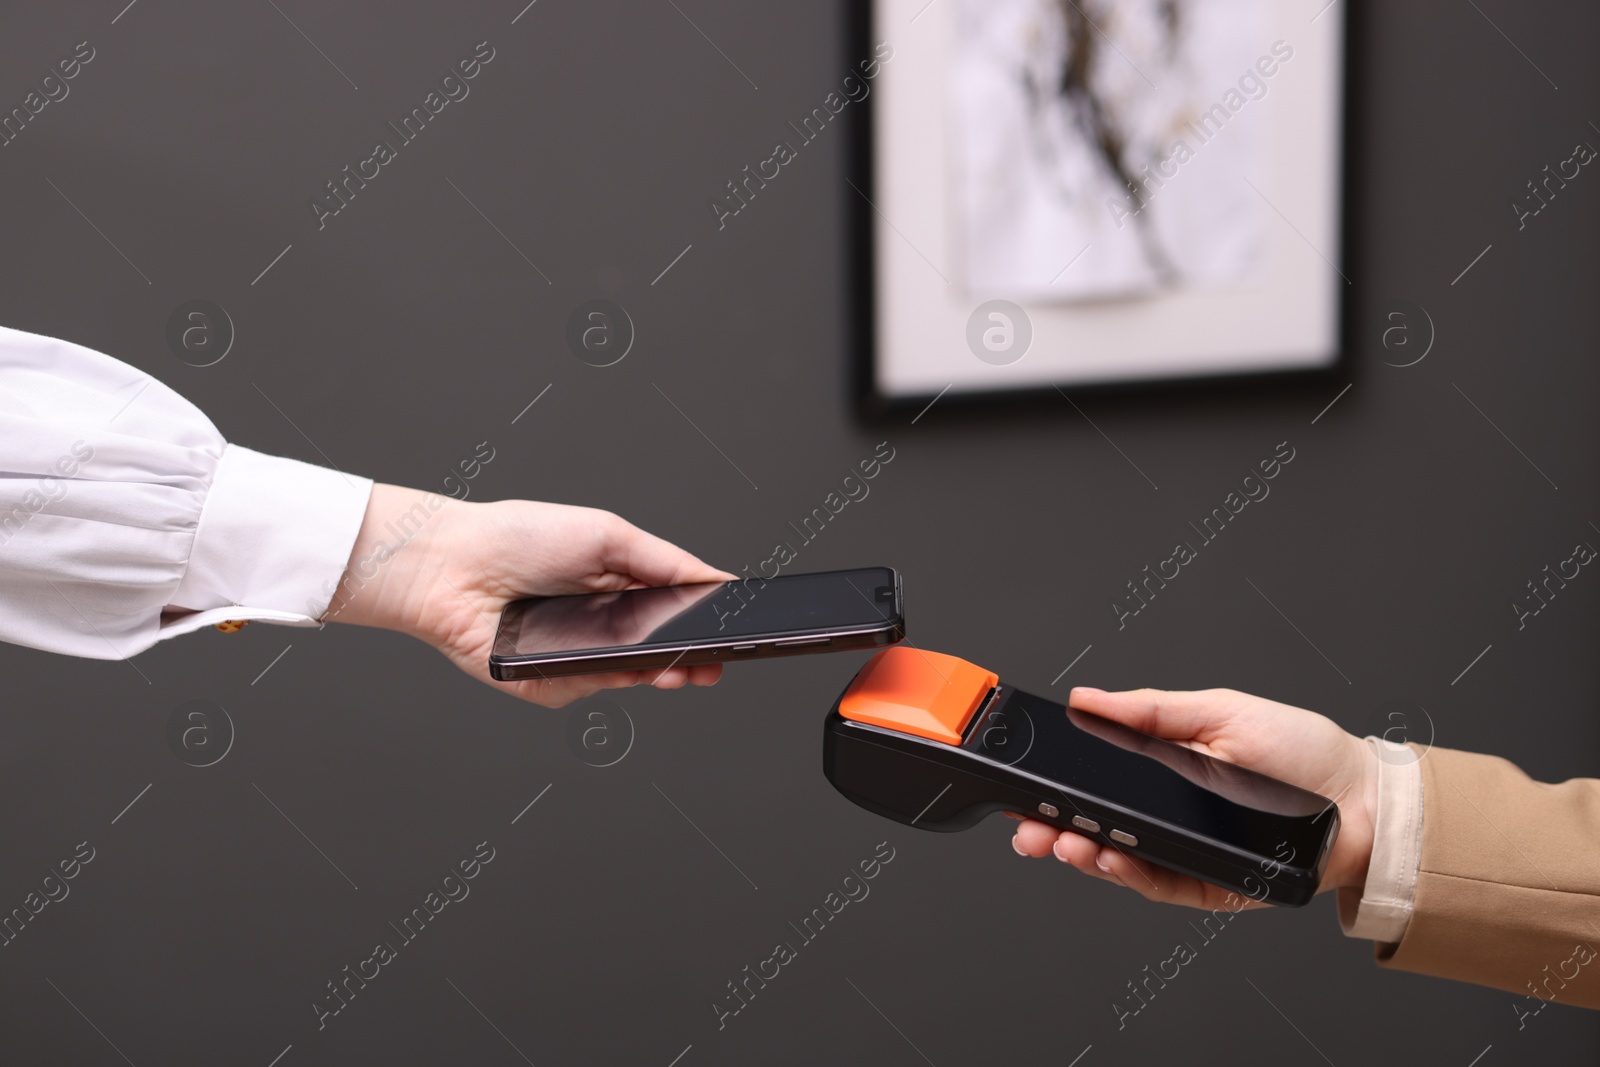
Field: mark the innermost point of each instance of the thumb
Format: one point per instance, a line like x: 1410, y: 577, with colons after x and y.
x: 653, y: 561
x: 1177, y: 716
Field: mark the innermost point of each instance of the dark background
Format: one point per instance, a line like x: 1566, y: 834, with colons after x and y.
x: 408, y: 331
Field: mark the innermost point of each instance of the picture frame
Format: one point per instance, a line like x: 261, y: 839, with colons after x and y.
x: 920, y: 325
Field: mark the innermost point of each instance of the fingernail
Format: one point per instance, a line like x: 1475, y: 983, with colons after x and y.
x: 1100, y: 861
x: 1060, y: 848
x: 1016, y: 845
x: 1086, y: 689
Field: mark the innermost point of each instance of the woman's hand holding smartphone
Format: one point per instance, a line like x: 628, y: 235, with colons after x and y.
x: 441, y: 570
x: 1288, y: 743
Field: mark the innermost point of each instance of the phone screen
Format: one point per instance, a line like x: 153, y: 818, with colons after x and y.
x: 710, y: 611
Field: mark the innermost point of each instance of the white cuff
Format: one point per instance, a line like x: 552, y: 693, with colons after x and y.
x: 272, y: 543
x: 1383, y: 910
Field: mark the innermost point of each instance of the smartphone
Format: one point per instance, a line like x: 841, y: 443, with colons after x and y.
x: 938, y: 743
x: 708, y: 622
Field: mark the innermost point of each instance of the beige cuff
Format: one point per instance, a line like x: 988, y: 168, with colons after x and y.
x: 1383, y: 909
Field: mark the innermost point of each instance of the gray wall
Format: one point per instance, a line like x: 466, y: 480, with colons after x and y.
x: 408, y: 330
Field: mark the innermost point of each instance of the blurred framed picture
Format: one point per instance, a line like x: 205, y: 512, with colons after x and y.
x: 1064, y: 193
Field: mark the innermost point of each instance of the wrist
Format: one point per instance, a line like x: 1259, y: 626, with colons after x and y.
x: 1358, y: 811
x: 393, y: 554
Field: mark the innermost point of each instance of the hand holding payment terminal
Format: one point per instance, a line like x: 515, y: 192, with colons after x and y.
x: 936, y: 742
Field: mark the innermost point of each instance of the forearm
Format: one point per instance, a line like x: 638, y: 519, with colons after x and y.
x: 1508, y: 884
x: 126, y: 518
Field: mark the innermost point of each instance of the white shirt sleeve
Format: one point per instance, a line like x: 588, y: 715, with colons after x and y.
x: 125, y: 518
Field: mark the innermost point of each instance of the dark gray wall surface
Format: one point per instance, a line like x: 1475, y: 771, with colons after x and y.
x: 408, y: 330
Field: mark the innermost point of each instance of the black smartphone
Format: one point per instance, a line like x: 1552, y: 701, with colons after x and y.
x: 992, y: 747
x: 708, y: 622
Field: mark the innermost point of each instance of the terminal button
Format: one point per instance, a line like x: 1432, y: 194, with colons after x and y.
x: 1087, y: 825
x: 913, y: 691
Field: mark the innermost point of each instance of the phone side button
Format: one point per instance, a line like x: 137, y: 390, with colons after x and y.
x: 1122, y: 837
x: 741, y: 648
x: 803, y: 642
x: 1086, y: 824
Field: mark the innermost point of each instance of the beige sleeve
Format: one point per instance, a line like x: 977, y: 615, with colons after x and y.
x: 1508, y: 887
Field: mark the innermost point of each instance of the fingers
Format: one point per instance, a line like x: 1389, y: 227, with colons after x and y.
x: 1034, y: 838
x: 1153, y: 883
x: 678, y: 677
x: 631, y: 551
x: 1175, y: 715
x: 559, y: 692
x: 554, y: 692
x: 1110, y: 864
x: 1080, y: 852
x: 706, y: 674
